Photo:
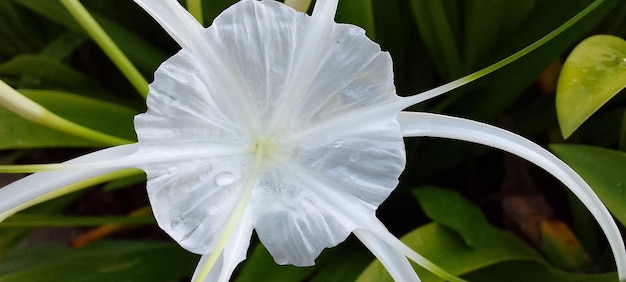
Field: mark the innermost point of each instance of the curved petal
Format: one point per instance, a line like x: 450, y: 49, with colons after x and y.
x: 294, y: 71
x: 363, y: 162
x: 350, y: 212
x: 233, y: 254
x: 178, y: 23
x: 292, y: 226
x: 294, y: 219
x: 182, y: 106
x: 21, y: 194
x: 395, y: 262
x: 433, y: 125
x: 193, y: 200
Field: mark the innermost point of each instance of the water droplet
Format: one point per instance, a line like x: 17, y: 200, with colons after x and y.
x: 224, y: 178
x: 354, y: 156
x: 338, y: 143
x: 175, y: 223
x: 315, y: 163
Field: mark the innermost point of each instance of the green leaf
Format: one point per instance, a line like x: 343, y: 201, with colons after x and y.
x: 450, y: 209
x: 524, y: 271
x: 261, y: 266
x: 63, y: 46
x: 485, y: 23
x: 210, y: 9
x: 490, y: 96
x: 358, y: 12
x: 38, y: 72
x: 448, y: 249
x: 46, y: 220
x: 143, y: 55
x: 14, y: 25
x: 603, y: 170
x: 342, y: 263
x: 107, y: 117
x: 11, y: 237
x: 395, y: 32
x: 439, y: 27
x: 593, y: 73
x: 104, y: 261
x: 100, y: 115
x: 460, y: 240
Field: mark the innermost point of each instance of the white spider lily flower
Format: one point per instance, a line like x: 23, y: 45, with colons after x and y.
x: 287, y: 124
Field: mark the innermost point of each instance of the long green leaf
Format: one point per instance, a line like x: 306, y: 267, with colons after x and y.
x: 104, y: 261
x: 45, y: 220
x: 41, y: 72
x: 460, y: 240
x: 142, y: 54
x: 603, y: 169
x: 524, y: 271
x: 107, y: 117
x: 358, y: 12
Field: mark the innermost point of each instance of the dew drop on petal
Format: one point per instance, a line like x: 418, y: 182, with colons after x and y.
x: 224, y: 178
x: 338, y: 143
x: 175, y: 223
x: 354, y: 156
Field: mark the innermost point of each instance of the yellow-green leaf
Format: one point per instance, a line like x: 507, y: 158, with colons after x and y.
x: 593, y: 73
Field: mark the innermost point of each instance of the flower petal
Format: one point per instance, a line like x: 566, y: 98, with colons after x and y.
x: 25, y: 192
x: 352, y: 214
x: 293, y: 223
x: 395, y: 262
x: 292, y: 70
x: 293, y: 227
x: 183, y: 107
x: 365, y: 164
x: 193, y: 200
x: 234, y: 252
x: 178, y: 23
x: 433, y: 125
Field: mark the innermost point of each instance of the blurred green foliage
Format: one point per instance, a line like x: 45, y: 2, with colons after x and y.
x: 46, y: 54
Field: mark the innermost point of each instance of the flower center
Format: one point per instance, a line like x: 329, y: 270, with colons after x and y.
x: 266, y: 148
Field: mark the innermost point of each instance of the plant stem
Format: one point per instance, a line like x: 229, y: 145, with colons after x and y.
x: 195, y: 9
x: 28, y: 109
x: 299, y: 5
x: 107, y: 45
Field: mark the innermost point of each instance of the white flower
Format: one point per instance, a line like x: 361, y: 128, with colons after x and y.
x: 283, y: 123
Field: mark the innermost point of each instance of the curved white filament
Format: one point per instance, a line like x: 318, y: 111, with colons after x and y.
x: 19, y: 194
x: 434, y: 125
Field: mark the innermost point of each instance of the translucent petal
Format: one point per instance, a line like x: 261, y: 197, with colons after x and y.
x: 395, y: 262
x: 193, y: 200
x: 365, y: 162
x: 263, y: 43
x: 291, y: 225
x: 425, y: 124
x: 233, y: 254
x: 183, y: 107
x: 295, y: 219
x: 174, y: 19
